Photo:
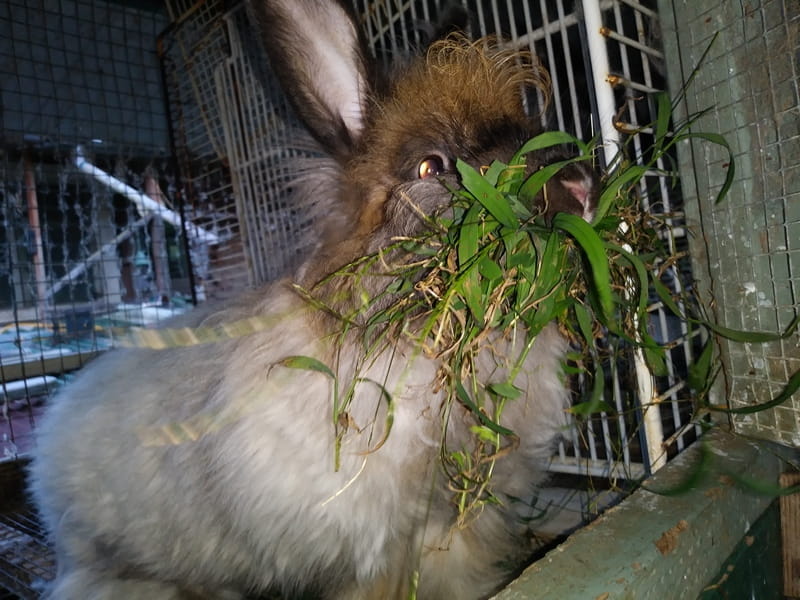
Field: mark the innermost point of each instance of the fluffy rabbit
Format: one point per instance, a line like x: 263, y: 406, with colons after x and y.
x: 254, y: 503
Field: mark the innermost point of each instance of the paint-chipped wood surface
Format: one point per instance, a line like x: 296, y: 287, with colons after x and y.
x: 790, y: 536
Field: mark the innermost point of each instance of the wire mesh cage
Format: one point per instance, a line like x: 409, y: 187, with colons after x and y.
x: 623, y: 444
x: 740, y: 66
x: 230, y: 128
x: 630, y: 73
x: 128, y: 190
x: 91, y: 238
x: 250, y: 123
x: 554, y: 32
x: 188, y: 50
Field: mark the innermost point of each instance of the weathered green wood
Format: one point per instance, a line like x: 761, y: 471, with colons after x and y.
x: 755, y: 569
x: 656, y: 545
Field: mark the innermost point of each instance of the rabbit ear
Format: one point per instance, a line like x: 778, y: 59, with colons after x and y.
x: 316, y: 50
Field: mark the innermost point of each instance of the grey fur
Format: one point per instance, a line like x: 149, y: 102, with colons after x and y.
x: 255, y: 503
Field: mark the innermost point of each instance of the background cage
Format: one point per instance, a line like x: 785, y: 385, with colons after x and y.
x: 176, y: 102
x: 80, y: 81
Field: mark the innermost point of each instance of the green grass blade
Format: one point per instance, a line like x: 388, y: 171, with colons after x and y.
x: 751, y: 337
x: 469, y: 234
x: 390, y: 407
x: 595, y: 404
x: 665, y: 295
x: 306, y: 363
x: 595, y: 251
x: 789, y: 390
x: 613, y: 188
x: 700, y: 370
x: 664, y: 112
x: 485, y: 193
x: 642, y: 277
x: 464, y: 398
x: 506, y: 390
x: 715, y: 138
x: 534, y: 184
x: 584, y: 320
x: 472, y: 292
x: 548, y: 139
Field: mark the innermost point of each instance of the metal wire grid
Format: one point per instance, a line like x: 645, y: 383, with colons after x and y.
x: 261, y: 139
x: 76, y: 261
x: 632, y: 31
x: 77, y: 258
x: 637, y: 72
x: 548, y: 29
x: 191, y: 51
x: 213, y: 129
x: 749, y: 83
x: 207, y: 47
x: 269, y: 229
x: 27, y: 562
x: 81, y: 70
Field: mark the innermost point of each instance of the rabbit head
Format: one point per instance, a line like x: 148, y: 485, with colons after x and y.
x: 394, y: 138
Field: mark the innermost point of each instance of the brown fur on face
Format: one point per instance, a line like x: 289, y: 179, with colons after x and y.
x: 459, y: 81
x: 463, y: 100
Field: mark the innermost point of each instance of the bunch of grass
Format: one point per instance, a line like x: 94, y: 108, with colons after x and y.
x: 492, y: 265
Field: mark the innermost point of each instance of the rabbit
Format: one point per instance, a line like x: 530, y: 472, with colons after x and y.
x: 216, y: 470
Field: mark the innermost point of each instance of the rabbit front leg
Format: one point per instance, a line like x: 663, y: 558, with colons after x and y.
x: 88, y: 584
x: 395, y: 584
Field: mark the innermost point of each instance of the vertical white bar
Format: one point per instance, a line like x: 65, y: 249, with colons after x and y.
x: 540, y: 96
x: 598, y: 54
x: 570, y: 70
x: 606, y: 109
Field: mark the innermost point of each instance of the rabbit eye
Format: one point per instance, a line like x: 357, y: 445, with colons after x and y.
x: 430, y: 166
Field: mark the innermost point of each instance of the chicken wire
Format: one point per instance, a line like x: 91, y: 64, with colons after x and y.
x: 91, y: 236
x: 231, y: 131
x: 81, y: 70
x: 622, y: 445
x: 230, y: 128
x: 188, y: 50
x: 747, y: 249
x: 27, y: 561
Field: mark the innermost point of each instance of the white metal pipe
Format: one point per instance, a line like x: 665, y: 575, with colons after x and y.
x: 598, y: 54
x: 606, y: 109
x: 108, y: 249
x: 639, y: 7
x: 144, y: 203
x: 623, y: 39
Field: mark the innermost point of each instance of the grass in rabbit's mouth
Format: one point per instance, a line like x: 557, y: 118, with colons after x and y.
x: 489, y: 275
x: 494, y: 269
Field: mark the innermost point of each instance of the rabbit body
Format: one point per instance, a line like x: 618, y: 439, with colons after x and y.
x: 247, y: 496
x: 256, y: 502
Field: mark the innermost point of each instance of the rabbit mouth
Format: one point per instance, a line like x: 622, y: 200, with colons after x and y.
x: 414, y: 207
